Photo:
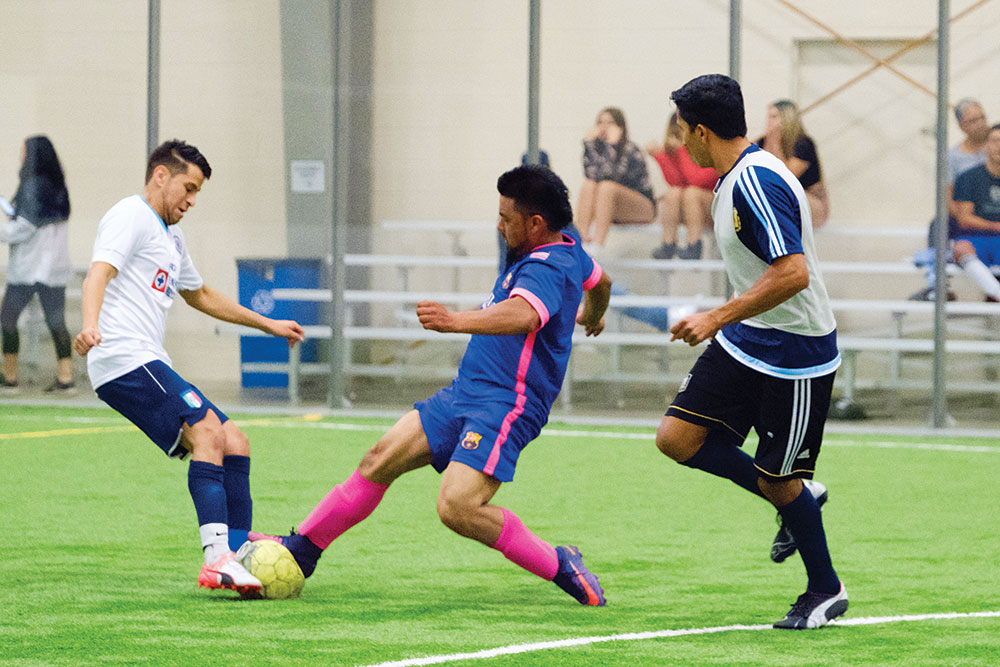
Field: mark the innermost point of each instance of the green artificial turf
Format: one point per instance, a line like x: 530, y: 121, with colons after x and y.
x: 100, y: 554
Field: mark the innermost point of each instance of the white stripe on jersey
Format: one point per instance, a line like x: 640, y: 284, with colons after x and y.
x: 772, y: 219
x: 756, y: 200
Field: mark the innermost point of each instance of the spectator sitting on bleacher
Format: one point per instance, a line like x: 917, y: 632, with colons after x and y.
x: 616, y: 187
x: 785, y: 138
x: 968, y: 153
x: 977, y: 204
x: 687, y: 200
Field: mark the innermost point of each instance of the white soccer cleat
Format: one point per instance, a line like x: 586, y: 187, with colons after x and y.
x: 227, y: 573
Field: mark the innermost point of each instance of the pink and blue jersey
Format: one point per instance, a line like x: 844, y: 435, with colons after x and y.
x: 506, y: 384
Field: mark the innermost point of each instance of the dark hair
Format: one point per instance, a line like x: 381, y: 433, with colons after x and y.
x: 715, y: 101
x: 538, y: 191
x: 618, y: 116
x: 995, y: 127
x: 176, y: 155
x: 41, y: 196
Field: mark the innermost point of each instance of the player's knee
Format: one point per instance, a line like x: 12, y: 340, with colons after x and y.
x: 377, y: 459
x: 237, y: 442
x: 669, y: 445
x: 454, y: 511
x: 208, y: 443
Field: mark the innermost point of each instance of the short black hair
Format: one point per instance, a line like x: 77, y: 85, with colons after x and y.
x: 176, y: 155
x: 715, y: 101
x: 537, y: 190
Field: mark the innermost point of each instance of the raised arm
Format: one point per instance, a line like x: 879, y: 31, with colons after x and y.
x: 94, y: 286
x: 509, y: 317
x: 213, y: 302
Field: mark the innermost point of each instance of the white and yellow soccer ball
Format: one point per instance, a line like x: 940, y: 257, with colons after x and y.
x: 279, y: 574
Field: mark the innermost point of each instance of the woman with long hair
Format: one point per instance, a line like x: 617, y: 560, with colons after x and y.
x: 687, y: 201
x: 616, y: 187
x: 787, y: 139
x: 37, y: 232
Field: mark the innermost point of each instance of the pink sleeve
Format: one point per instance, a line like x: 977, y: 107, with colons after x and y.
x: 594, y: 278
x: 534, y: 302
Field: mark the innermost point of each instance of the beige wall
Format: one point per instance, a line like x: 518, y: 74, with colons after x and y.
x: 450, y: 106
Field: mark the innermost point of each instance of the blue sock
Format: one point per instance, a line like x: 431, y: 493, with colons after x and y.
x: 238, y: 502
x: 803, y: 519
x: 726, y: 460
x: 205, y: 482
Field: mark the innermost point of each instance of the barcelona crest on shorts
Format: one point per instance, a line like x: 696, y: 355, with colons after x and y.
x: 471, y: 440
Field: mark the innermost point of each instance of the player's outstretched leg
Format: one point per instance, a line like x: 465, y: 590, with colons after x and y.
x: 574, y: 578
x: 227, y: 573
x: 814, y: 610
x: 346, y: 504
x: 784, y: 545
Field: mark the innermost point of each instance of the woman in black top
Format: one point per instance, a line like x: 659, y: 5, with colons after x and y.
x: 787, y: 139
x: 616, y: 188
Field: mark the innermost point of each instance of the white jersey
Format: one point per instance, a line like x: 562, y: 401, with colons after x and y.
x: 153, y: 263
x: 761, y: 213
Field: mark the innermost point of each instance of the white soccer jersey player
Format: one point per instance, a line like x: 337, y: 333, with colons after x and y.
x: 153, y: 263
x: 761, y: 213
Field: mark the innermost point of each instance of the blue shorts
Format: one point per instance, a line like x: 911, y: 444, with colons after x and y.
x: 158, y: 401
x: 484, y: 435
x: 987, y: 247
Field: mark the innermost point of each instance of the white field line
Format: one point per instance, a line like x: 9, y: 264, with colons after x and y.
x: 658, y: 634
x: 836, y: 441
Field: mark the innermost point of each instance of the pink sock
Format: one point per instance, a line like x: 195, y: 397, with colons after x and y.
x: 522, y: 547
x: 346, y: 504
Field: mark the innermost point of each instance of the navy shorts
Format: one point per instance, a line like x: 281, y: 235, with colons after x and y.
x: 484, y: 435
x: 788, y: 414
x: 987, y: 247
x: 158, y: 401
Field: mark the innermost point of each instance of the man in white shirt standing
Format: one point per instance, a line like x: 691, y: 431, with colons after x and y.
x: 140, y: 264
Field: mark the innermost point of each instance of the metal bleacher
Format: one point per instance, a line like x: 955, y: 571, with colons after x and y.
x: 877, y: 321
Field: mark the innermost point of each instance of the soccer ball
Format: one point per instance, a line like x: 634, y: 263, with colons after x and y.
x: 279, y: 574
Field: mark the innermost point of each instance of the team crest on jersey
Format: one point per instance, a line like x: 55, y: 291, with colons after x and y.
x: 160, y: 281
x: 506, y: 281
x: 471, y: 440
x: 684, y: 383
x: 737, y: 225
x: 192, y: 398
x: 178, y: 244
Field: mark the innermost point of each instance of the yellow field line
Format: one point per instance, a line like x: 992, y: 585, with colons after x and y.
x: 122, y: 429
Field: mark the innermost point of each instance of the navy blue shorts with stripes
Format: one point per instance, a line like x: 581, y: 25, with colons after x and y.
x: 159, y: 401
x: 730, y: 398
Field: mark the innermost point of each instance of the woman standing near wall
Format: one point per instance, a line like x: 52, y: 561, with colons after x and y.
x: 37, y: 232
x: 616, y: 187
x: 787, y: 139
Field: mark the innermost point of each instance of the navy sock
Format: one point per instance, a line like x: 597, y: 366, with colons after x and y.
x: 725, y: 459
x: 803, y: 519
x: 205, y: 482
x: 239, y: 504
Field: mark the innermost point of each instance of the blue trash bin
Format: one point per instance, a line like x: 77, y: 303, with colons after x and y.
x: 256, y: 279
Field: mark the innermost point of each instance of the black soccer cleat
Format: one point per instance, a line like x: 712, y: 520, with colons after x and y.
x: 814, y: 610
x: 306, y: 553
x: 784, y: 545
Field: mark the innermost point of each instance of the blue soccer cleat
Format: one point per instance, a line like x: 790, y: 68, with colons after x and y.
x: 302, y: 548
x: 574, y: 578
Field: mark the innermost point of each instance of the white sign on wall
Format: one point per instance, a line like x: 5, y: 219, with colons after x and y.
x: 308, y: 176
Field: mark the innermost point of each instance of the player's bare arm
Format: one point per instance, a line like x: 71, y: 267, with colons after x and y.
x: 595, y: 303
x: 94, y: 285
x: 510, y: 317
x: 213, y: 302
x: 783, y: 279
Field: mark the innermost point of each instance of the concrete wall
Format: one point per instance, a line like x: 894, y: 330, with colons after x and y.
x: 449, y: 105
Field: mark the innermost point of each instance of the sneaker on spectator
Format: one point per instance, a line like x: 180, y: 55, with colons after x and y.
x: 665, y: 251
x: 64, y: 388
x: 692, y: 251
x: 927, y: 294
